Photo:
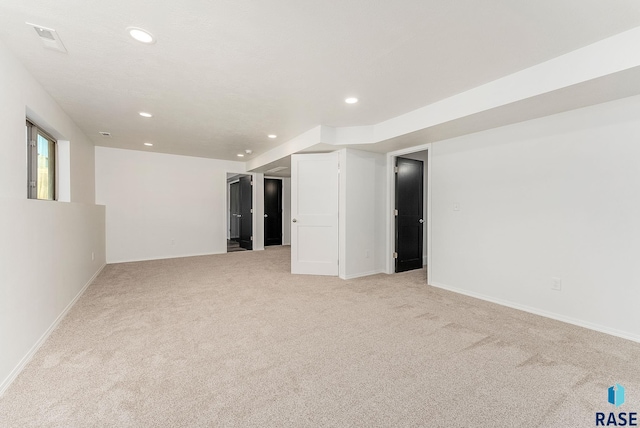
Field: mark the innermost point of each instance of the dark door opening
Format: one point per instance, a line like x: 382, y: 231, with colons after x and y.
x: 246, y: 211
x: 272, y: 212
x: 409, y: 214
x: 234, y: 209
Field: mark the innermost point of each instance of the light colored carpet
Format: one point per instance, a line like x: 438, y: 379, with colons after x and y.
x: 235, y: 340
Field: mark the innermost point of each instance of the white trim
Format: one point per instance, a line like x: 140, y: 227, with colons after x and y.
x: 391, y: 191
x: 360, y: 275
x: 543, y: 313
x: 25, y: 360
x: 257, y: 205
x: 149, y: 259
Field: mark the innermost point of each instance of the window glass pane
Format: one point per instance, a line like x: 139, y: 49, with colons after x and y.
x: 46, y: 168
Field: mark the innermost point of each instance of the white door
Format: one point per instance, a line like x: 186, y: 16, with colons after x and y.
x: 314, y: 214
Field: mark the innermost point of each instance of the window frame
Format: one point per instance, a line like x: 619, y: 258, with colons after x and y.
x: 33, y: 130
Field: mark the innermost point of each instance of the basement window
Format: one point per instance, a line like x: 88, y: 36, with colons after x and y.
x: 41, y: 157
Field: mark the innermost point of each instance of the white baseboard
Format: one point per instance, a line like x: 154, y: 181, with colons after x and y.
x: 25, y: 360
x: 360, y: 275
x: 150, y: 259
x: 543, y: 313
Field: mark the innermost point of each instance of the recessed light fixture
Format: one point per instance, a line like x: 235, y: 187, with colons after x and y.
x: 240, y: 155
x: 148, y: 144
x: 145, y: 114
x: 351, y: 100
x: 248, y: 151
x: 272, y: 136
x: 143, y: 36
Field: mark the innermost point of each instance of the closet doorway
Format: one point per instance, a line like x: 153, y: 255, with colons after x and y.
x: 272, y: 211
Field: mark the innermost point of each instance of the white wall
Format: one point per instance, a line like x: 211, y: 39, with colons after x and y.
x: 45, y: 263
x: 552, y: 197
x: 162, y: 206
x: 362, y: 213
x: 258, y: 211
x: 45, y: 250
x: 286, y: 211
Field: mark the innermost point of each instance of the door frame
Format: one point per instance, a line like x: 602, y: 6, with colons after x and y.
x: 391, y: 202
x: 257, y: 198
x: 229, y: 203
x: 286, y: 210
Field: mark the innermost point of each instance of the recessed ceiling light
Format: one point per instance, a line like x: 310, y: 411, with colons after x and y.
x: 248, y: 151
x: 240, y: 155
x: 272, y: 136
x: 351, y: 100
x: 143, y: 36
x: 148, y: 144
x: 145, y: 114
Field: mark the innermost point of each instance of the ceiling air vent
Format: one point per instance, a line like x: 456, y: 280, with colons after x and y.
x: 49, y: 37
x: 104, y: 134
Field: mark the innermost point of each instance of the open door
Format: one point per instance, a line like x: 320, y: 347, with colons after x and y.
x: 314, y: 214
x: 409, y: 214
x: 234, y: 211
x: 246, y: 212
x: 272, y: 211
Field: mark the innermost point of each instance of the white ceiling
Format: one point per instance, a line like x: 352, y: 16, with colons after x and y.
x: 224, y: 74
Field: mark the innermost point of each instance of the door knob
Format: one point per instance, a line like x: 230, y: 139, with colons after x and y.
x: 421, y: 221
x: 239, y: 215
x: 266, y: 216
x: 294, y: 220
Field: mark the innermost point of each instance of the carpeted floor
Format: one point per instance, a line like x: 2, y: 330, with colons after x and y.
x: 235, y: 340
x: 233, y: 246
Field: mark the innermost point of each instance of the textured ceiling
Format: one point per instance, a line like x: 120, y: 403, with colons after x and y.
x: 224, y: 74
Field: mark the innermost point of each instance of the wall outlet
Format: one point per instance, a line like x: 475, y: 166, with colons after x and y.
x: 556, y: 284
x: 456, y: 207
x: 173, y: 242
x: 93, y: 256
x: 366, y: 254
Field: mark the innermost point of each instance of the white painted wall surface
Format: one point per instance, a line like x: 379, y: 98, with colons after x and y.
x: 552, y: 197
x: 162, y: 206
x: 362, y: 213
x: 286, y: 211
x: 21, y: 95
x: 258, y: 211
x: 45, y: 262
x: 45, y: 250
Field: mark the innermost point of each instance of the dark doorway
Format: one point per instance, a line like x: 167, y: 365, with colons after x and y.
x: 409, y: 214
x: 246, y: 227
x: 234, y: 210
x: 272, y: 212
